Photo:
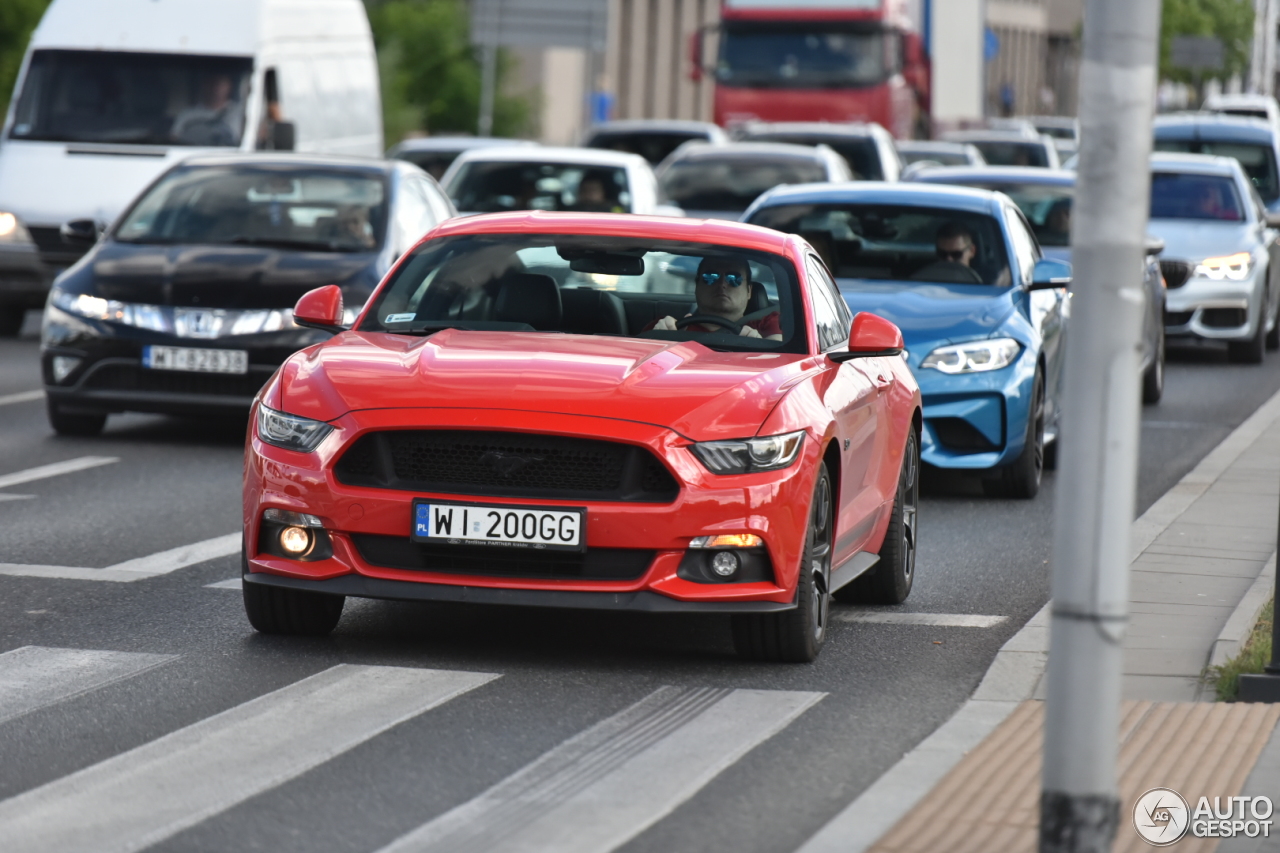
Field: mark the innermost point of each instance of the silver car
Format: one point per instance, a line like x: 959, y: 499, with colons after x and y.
x: 1221, y: 256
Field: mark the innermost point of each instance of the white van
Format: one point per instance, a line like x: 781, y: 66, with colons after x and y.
x: 112, y: 92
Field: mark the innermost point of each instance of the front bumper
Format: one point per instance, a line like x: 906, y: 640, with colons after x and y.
x: 772, y: 505
x: 1215, y: 310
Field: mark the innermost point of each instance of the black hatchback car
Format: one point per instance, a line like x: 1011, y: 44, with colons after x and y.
x: 184, y: 306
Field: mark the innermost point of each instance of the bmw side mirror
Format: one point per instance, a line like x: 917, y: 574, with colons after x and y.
x: 870, y: 336
x: 1049, y: 274
x: 79, y: 232
x: 320, y: 309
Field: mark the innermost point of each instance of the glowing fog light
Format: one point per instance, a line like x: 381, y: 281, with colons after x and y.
x: 724, y: 563
x: 296, y: 541
x: 64, y: 366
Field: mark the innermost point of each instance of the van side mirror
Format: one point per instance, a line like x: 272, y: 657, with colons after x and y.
x: 79, y: 232
x: 870, y: 336
x: 1049, y: 274
x: 283, y: 135
x: 320, y: 309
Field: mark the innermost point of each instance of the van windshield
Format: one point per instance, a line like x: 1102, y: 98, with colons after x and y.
x: 133, y: 98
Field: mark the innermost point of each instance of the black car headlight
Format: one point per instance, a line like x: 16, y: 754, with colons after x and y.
x: 290, y: 431
x: 750, y: 455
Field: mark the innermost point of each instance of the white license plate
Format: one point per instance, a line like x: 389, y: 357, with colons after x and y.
x: 519, y: 527
x: 196, y: 360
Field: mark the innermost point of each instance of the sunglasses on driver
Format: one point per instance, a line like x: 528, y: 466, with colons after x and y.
x: 733, y: 279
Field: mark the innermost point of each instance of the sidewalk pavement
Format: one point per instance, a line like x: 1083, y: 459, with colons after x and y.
x: 1203, y: 568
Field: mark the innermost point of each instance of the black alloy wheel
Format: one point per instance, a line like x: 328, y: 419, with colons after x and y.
x: 294, y: 612
x: 1021, y: 477
x: 889, y: 581
x: 74, y: 423
x: 796, y: 636
x: 1153, y: 376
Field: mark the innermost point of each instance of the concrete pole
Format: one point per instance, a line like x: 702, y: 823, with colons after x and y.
x: 1269, y: 48
x: 1079, y: 809
x: 488, y: 83
x: 1257, y: 54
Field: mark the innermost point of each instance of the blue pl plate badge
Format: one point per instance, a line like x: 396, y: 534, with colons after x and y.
x: 422, y: 521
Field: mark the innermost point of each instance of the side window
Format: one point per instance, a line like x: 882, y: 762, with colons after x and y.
x: 1025, y: 249
x: 412, y: 215
x: 842, y: 308
x: 825, y: 315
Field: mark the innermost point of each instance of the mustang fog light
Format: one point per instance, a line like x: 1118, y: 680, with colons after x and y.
x: 732, y: 540
x: 295, y: 535
x: 296, y: 541
x: 724, y: 563
x: 64, y: 366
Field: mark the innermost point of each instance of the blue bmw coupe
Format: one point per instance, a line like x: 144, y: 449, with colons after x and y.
x: 983, y: 314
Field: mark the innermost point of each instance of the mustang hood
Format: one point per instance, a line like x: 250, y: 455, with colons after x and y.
x: 685, y: 387
x: 929, y: 313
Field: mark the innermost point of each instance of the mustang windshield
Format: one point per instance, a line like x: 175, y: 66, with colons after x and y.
x: 292, y: 207
x: 724, y: 297
x: 886, y: 242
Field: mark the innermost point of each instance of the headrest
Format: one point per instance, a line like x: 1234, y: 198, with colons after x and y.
x: 758, y: 299
x: 529, y: 298
x: 590, y: 312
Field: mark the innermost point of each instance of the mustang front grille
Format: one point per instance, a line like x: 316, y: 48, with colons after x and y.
x: 506, y: 464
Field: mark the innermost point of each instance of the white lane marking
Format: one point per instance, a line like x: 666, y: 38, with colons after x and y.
x: 936, y: 620
x: 21, y: 397
x: 611, y: 782
x: 4, y: 497
x: 55, y: 469
x: 32, y: 677
x: 149, y: 793
x: 229, y: 583
x: 137, y: 569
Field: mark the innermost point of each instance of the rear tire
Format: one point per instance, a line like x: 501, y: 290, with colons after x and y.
x: 74, y: 423
x: 889, y: 581
x: 1153, y: 376
x: 1251, y: 351
x: 292, y: 612
x: 1021, y: 478
x: 796, y: 636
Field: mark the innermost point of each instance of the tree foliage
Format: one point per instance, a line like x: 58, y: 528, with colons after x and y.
x: 1229, y: 20
x: 17, y: 19
x: 431, y: 74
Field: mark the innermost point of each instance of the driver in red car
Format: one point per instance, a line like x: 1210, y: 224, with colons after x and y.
x: 723, y: 289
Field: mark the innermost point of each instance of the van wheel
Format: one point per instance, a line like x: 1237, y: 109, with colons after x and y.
x: 889, y: 581
x: 74, y: 423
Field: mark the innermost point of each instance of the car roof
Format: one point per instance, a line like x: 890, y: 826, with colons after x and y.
x: 549, y: 154
x: 1241, y: 99
x: 1209, y: 126
x: 655, y: 125
x: 717, y: 231
x: 967, y: 199
x: 994, y: 136
x: 455, y: 143
x: 1194, y: 164
x: 997, y: 175
x: 291, y: 158
x: 834, y: 130
x: 745, y: 150
x: 931, y: 145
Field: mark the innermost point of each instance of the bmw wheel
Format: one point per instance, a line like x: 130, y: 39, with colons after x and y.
x: 797, y: 635
x: 1153, y: 377
x: 889, y: 581
x: 1021, y: 477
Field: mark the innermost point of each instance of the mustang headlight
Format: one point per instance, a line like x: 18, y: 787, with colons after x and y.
x: 973, y: 357
x: 751, y: 454
x: 290, y: 431
x: 1225, y: 268
x: 11, y: 230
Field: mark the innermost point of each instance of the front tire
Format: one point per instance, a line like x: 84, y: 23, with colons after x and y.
x: 292, y: 612
x: 890, y: 580
x: 796, y: 636
x: 1021, y: 478
x: 1153, y: 376
x: 74, y: 423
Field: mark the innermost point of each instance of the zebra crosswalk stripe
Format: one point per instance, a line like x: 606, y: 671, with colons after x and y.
x: 32, y: 677
x: 142, y: 796
x: 603, y: 787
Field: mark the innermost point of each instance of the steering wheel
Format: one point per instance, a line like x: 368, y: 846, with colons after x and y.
x: 711, y: 319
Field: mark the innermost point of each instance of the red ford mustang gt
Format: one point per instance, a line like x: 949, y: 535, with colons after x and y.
x: 598, y: 411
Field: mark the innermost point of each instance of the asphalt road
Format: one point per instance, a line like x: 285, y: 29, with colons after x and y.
x: 757, y: 758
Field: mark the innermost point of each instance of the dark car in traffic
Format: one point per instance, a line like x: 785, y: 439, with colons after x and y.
x: 184, y: 305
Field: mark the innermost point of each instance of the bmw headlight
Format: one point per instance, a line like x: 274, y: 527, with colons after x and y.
x: 750, y: 454
x: 11, y: 230
x: 973, y: 357
x: 1226, y: 267
x: 290, y: 431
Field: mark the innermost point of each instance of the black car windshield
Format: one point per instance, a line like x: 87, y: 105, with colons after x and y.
x: 937, y: 155
x: 94, y: 96
x: 1046, y: 206
x: 724, y: 297
x: 862, y: 155
x: 494, y: 186
x: 773, y: 55
x: 1259, y: 161
x: 434, y: 163
x: 1001, y: 153
x: 893, y: 243
x: 285, y: 206
x: 653, y: 146
x: 731, y: 183
x: 1176, y: 195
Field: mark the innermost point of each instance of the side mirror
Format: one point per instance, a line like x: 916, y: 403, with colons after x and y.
x: 1153, y: 246
x: 320, y: 309
x: 1273, y: 219
x: 79, y: 232
x: 870, y: 336
x: 283, y: 134
x: 1049, y: 274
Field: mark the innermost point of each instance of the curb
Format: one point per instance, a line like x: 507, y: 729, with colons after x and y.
x: 1240, y: 624
x: 1015, y: 674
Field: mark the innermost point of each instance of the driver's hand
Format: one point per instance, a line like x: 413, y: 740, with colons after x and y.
x: 666, y: 324
x: 748, y: 332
